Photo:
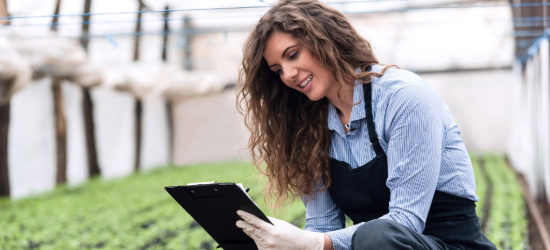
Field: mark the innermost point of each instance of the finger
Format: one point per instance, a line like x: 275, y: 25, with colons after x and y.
x: 248, y: 217
x: 254, y: 236
x: 245, y: 225
x: 249, y: 230
x: 252, y: 219
x: 246, y: 232
x: 253, y: 232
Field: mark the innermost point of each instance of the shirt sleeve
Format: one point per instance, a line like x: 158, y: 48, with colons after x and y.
x: 323, y: 216
x: 415, y: 132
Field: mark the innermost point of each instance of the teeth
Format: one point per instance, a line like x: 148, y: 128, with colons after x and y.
x: 306, y: 81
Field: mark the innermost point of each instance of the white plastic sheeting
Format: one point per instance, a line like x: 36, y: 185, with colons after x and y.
x: 86, y: 75
x: 208, y: 129
x: 529, y: 146
x: 31, y: 140
x: 15, y: 71
x: 77, y: 158
x: 113, y: 98
x: 31, y: 145
x: 177, y: 84
x: 155, y: 141
x: 51, y: 55
x: 114, y: 116
x: 484, y: 119
x: 153, y: 80
x: 544, y: 128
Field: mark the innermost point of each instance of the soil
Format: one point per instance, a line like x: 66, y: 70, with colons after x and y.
x: 535, y: 242
x: 544, y: 208
x: 535, y: 239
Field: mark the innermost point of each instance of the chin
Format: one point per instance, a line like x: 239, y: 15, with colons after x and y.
x: 314, y: 97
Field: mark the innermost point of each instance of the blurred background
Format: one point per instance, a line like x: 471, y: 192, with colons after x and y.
x: 102, y: 101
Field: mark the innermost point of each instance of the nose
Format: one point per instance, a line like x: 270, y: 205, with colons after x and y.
x: 289, y: 74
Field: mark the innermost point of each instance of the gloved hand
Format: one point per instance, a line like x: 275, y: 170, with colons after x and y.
x: 281, y: 235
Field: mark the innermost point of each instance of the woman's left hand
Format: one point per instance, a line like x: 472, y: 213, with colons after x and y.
x: 280, y: 235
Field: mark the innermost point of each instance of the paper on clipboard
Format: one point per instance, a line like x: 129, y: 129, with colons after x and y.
x: 240, y: 185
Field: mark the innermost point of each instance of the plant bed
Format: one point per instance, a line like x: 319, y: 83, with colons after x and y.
x: 130, y: 213
x: 544, y: 208
x: 538, y: 217
x: 506, y: 221
x: 137, y: 213
x: 535, y: 241
x: 484, y: 189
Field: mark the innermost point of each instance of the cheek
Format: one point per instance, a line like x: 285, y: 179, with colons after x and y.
x: 307, y: 60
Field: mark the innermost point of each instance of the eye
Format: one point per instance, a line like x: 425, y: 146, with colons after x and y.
x: 293, y: 55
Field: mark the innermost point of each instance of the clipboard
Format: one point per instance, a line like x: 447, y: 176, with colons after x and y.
x: 214, y: 207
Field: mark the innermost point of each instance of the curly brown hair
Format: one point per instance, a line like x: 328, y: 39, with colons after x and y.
x: 289, y: 132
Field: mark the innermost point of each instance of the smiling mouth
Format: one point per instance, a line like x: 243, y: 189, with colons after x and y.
x: 306, y: 81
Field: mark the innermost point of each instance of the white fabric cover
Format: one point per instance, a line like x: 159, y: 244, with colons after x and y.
x: 176, y: 84
x: 154, y: 80
x: 77, y: 155
x: 15, y: 71
x: 208, y: 129
x: 529, y: 146
x: 86, y: 75
x: 31, y: 140
x: 114, y: 116
x: 50, y: 55
x: 544, y: 128
x: 155, y: 141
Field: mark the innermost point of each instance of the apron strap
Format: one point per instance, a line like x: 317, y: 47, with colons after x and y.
x: 373, y: 137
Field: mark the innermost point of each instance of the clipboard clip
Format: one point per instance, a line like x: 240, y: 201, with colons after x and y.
x: 202, y: 183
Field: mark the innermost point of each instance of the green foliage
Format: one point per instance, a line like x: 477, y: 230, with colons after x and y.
x: 507, y: 224
x: 349, y: 222
x: 481, y: 186
x: 137, y: 213
x: 130, y: 213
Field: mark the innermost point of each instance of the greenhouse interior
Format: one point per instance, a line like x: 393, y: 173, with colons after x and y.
x: 103, y: 104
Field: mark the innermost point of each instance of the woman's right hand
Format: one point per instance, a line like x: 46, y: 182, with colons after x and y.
x: 279, y: 236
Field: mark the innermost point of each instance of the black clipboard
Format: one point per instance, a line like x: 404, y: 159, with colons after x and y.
x: 214, y: 207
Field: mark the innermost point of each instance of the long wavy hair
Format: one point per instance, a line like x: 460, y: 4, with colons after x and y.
x: 289, y: 134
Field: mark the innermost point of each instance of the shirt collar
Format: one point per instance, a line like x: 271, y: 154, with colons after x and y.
x: 357, y: 111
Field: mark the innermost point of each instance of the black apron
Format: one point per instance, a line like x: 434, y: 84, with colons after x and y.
x: 362, y: 195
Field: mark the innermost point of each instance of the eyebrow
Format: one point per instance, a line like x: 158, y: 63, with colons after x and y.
x: 284, y: 52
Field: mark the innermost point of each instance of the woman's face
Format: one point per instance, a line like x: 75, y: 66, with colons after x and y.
x: 297, y: 67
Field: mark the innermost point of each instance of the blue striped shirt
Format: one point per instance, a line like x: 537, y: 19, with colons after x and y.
x: 423, y: 146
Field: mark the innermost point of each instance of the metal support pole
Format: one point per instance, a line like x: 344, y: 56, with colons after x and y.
x: 4, y: 12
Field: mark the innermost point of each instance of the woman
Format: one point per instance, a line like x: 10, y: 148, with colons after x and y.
x: 350, y: 137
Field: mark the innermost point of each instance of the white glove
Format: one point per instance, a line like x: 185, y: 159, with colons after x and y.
x: 281, y: 235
